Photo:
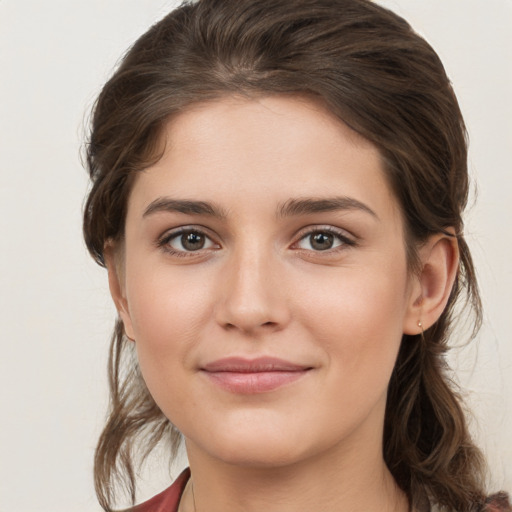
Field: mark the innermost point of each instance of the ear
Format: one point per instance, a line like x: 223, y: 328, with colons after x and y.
x: 431, y: 288
x: 114, y: 261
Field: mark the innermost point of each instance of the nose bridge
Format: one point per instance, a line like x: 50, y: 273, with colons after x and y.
x: 252, y: 295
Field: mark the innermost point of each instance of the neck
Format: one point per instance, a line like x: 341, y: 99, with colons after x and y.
x: 358, y: 481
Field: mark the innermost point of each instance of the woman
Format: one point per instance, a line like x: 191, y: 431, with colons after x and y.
x: 277, y: 196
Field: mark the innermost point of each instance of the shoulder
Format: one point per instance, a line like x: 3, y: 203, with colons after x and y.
x: 498, y: 503
x: 168, y: 500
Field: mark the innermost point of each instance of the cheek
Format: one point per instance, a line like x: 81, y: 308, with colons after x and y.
x: 168, y: 311
x: 358, y: 320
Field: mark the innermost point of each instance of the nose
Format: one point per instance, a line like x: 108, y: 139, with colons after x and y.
x: 253, y: 298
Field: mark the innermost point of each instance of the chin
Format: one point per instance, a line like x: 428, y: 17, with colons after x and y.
x: 255, y: 444
x: 258, y: 454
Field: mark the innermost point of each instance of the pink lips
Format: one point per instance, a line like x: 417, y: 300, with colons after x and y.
x: 251, y: 376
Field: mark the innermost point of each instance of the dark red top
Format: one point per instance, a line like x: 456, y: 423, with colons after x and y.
x: 169, y: 500
x: 498, y: 503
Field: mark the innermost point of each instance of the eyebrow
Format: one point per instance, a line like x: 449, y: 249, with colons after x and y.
x: 310, y: 205
x: 291, y: 208
x: 188, y: 207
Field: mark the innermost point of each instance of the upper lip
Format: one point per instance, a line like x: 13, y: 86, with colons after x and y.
x: 258, y: 365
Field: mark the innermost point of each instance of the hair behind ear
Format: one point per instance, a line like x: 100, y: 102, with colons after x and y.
x: 134, y: 420
x: 428, y: 447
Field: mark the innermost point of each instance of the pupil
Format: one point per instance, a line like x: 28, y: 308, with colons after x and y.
x: 322, y: 241
x: 192, y: 241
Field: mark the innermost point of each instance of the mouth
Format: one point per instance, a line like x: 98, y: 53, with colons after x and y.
x: 252, y: 376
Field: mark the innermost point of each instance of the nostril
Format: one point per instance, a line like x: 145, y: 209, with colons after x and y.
x: 234, y: 327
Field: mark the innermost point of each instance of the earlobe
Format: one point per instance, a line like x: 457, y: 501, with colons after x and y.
x: 432, y: 286
x: 115, y: 270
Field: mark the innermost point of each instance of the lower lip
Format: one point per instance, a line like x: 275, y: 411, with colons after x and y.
x: 252, y: 383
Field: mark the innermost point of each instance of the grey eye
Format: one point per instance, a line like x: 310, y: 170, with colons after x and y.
x: 320, y: 241
x: 190, y: 241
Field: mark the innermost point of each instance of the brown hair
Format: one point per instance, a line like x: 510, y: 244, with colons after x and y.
x: 378, y: 76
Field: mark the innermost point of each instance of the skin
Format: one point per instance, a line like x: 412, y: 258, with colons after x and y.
x: 259, y: 286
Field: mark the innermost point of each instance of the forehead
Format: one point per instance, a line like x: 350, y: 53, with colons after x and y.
x: 281, y: 124
x: 271, y: 148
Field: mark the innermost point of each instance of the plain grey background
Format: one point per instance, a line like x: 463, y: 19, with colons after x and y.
x: 55, y: 312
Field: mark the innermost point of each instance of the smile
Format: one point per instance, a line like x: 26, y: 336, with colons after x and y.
x: 244, y: 376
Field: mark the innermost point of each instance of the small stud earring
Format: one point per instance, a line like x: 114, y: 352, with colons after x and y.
x: 420, y: 325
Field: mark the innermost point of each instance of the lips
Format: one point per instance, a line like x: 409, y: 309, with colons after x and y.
x: 251, y: 376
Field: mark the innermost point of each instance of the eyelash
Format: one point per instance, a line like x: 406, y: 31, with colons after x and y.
x: 341, y: 235
x: 164, y: 241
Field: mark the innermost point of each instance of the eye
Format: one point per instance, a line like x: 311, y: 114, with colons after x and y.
x: 323, y: 240
x: 186, y: 240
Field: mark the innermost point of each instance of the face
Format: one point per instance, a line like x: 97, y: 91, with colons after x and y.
x: 265, y: 281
